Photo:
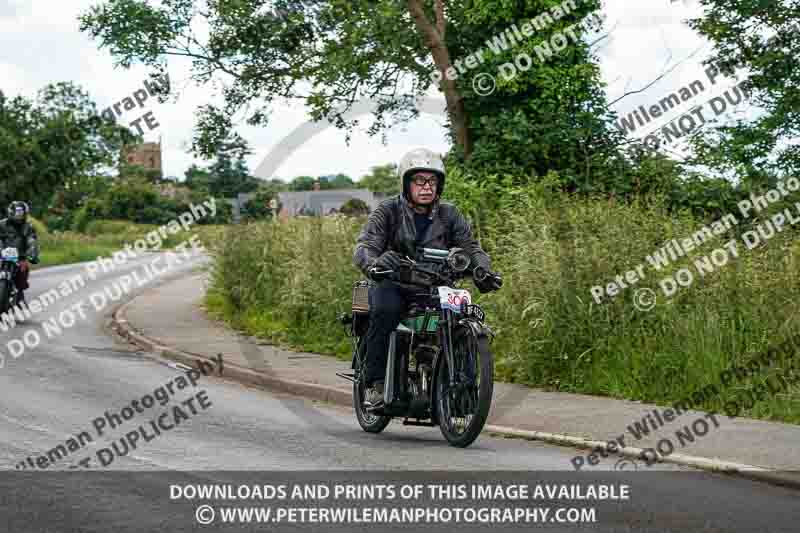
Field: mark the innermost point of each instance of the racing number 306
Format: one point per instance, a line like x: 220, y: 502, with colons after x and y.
x: 454, y: 299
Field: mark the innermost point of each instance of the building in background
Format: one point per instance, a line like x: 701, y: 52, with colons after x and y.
x: 147, y: 155
x: 321, y: 203
x: 311, y: 203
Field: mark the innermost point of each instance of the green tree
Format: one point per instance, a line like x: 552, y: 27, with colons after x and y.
x: 229, y: 175
x: 70, y: 198
x: 47, y: 141
x: 381, y: 178
x: 762, y: 37
x: 258, y: 207
x: 128, y: 171
x: 332, y: 53
x: 197, y: 179
x: 354, y: 207
x: 302, y: 183
x: 340, y: 181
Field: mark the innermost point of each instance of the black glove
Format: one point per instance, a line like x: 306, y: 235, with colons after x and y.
x: 487, y: 281
x: 389, y: 260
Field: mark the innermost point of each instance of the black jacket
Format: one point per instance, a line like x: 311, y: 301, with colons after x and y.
x: 22, y: 237
x: 391, y: 227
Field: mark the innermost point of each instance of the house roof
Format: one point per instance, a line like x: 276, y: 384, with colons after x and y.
x: 321, y: 202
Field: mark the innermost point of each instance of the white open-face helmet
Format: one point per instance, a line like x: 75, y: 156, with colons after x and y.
x: 420, y: 159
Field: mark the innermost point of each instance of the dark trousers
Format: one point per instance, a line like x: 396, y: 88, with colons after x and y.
x: 387, y: 303
x: 22, y: 277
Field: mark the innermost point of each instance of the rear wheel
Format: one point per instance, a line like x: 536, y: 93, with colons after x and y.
x: 464, y: 407
x: 369, y: 422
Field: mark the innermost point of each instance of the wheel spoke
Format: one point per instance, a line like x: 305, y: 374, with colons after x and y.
x: 460, y: 402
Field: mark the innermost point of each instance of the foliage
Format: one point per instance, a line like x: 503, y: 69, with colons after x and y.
x: 287, y: 282
x: 381, y: 178
x: 354, y: 207
x: 197, y: 179
x: 227, y: 176
x: 284, y: 281
x: 302, y: 183
x: 306, y: 183
x: 48, y: 141
x: 761, y: 37
x: 129, y: 171
x: 332, y: 54
x: 70, y: 197
x: 141, y: 202
x: 258, y: 207
x: 103, y: 238
x: 339, y: 181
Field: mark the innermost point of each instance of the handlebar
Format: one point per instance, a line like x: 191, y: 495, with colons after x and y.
x: 444, y: 267
x: 415, y: 268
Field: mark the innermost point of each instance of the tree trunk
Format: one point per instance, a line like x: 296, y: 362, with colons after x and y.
x: 433, y: 36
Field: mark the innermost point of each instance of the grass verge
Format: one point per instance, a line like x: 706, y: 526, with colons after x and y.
x: 286, y: 283
x: 104, y: 237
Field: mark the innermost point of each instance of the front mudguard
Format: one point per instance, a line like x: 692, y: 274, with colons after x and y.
x: 479, y: 330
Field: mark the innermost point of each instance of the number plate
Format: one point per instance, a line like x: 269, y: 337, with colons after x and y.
x: 10, y: 254
x: 3, y: 274
x: 453, y: 298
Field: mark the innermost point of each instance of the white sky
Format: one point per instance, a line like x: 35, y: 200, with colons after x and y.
x: 40, y: 43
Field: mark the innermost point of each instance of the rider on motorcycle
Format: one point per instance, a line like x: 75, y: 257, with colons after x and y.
x: 16, y: 232
x: 396, y: 229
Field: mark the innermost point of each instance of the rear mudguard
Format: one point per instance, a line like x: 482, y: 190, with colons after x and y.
x: 479, y: 330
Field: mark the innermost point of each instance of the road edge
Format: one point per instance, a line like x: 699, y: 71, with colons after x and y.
x: 270, y: 381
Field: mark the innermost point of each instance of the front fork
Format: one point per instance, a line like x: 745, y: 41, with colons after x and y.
x: 10, y: 278
x: 388, y: 388
x: 446, y: 340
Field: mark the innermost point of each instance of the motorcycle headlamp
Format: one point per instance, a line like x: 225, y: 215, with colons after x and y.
x: 458, y: 260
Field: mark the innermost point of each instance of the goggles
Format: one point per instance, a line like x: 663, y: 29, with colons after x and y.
x: 421, y: 180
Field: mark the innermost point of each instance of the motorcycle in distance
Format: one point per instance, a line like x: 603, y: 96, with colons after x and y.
x: 439, y: 368
x: 9, y: 264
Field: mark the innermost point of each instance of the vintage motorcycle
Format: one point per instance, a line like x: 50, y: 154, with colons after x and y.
x: 439, y: 368
x: 9, y: 264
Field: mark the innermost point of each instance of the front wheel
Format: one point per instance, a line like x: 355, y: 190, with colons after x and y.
x: 464, y: 407
x: 5, y: 295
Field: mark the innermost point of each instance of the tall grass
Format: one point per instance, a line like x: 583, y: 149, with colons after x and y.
x: 104, y: 237
x: 287, y: 282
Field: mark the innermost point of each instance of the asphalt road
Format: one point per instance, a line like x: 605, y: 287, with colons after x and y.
x: 213, y: 430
